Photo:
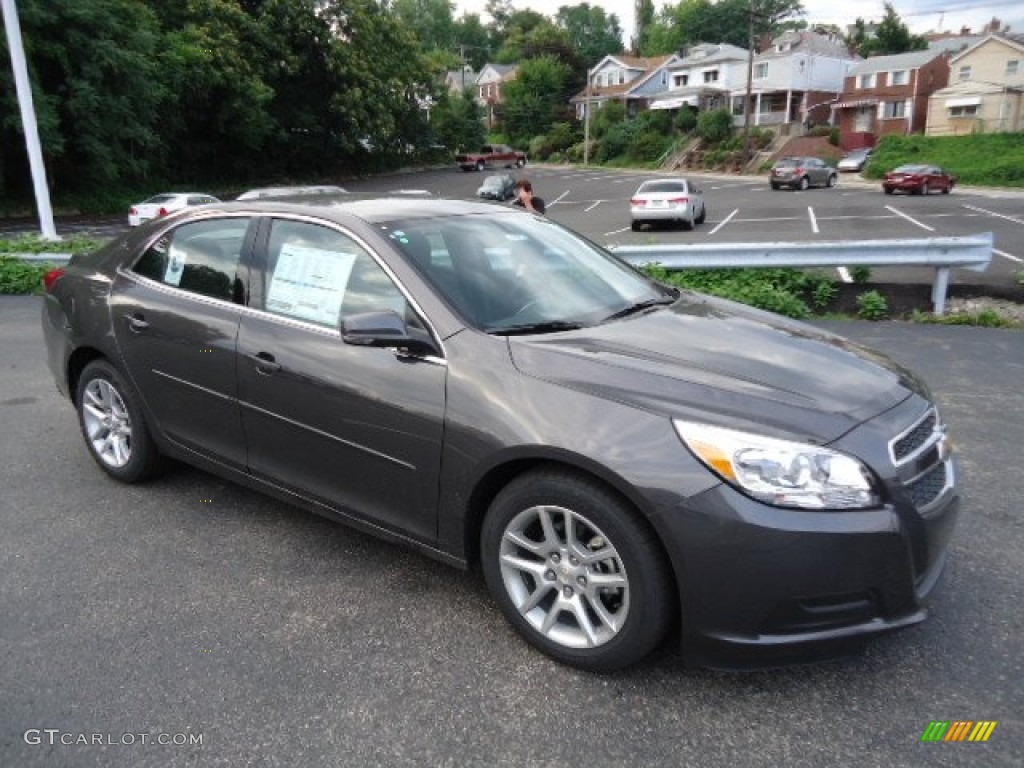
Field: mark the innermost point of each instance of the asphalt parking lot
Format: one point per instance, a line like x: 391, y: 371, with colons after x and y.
x: 744, y: 209
x: 195, y: 608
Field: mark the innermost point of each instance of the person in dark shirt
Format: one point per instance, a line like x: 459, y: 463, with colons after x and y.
x: 526, y: 199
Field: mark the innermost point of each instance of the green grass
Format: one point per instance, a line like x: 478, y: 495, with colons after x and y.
x: 994, y: 159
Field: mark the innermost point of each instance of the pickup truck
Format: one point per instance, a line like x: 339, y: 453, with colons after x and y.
x: 491, y: 154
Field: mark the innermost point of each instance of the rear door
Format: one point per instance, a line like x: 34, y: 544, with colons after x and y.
x: 356, y: 428
x: 175, y: 316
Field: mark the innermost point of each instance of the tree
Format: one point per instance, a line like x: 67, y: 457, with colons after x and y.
x: 590, y: 31
x: 718, y: 21
x: 889, y: 36
x: 97, y: 92
x: 457, y: 122
x: 535, y: 98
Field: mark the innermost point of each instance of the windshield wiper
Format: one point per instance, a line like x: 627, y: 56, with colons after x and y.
x: 550, y: 326
x: 639, y: 306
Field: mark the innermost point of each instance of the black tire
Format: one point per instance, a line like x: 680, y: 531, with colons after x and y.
x: 776, y: 187
x: 635, y: 226
x: 925, y: 189
x: 479, y: 165
x: 947, y: 189
x: 832, y: 179
x: 520, y: 162
x: 636, y: 596
x: 703, y: 215
x: 887, y: 190
x: 686, y: 224
x: 805, y: 183
x: 111, y: 419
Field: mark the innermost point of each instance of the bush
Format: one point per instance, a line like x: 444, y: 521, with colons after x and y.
x: 540, y: 148
x: 714, y: 126
x: 21, y: 277
x: 563, y: 136
x: 686, y: 120
x: 648, y: 146
x: 872, y: 305
x: 860, y: 275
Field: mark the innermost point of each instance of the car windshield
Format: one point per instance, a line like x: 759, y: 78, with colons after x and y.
x: 789, y: 162
x: 910, y: 169
x: 493, y: 182
x: 159, y: 199
x: 662, y: 186
x: 512, y: 273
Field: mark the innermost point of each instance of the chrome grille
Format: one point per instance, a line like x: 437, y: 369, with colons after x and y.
x: 918, y: 437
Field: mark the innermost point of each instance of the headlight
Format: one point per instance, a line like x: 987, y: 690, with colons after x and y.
x: 780, y: 472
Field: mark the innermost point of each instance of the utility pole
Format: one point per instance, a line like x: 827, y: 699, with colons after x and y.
x: 750, y: 85
x: 586, y: 121
x: 28, y: 119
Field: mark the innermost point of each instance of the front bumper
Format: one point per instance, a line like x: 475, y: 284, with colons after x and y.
x: 761, y: 583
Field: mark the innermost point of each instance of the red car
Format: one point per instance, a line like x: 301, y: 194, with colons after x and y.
x: 917, y: 180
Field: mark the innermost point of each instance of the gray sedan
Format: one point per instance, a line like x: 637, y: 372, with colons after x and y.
x: 677, y: 201
x: 622, y: 460
x: 802, y: 173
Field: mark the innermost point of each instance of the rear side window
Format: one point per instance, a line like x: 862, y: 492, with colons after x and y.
x: 201, y: 257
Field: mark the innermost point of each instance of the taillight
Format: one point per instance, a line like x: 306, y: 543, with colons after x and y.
x: 162, y: 212
x: 798, y: 170
x: 638, y: 202
x: 679, y: 200
x: 52, y: 277
x: 133, y: 211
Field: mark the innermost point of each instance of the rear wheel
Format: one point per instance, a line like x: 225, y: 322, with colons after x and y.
x: 635, y: 226
x: 925, y: 189
x: 776, y: 187
x: 805, y: 183
x: 887, y: 190
x: 946, y: 189
x: 576, y: 571
x: 520, y: 162
x: 702, y: 216
x: 832, y: 179
x: 479, y: 165
x: 113, y: 425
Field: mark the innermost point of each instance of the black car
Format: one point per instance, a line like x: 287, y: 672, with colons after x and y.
x: 621, y: 459
x: 500, y: 187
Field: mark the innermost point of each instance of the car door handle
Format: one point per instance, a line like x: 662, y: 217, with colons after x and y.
x: 265, y: 363
x: 136, y: 322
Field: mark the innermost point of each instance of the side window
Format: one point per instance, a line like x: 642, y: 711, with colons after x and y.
x: 201, y: 257
x: 321, y: 276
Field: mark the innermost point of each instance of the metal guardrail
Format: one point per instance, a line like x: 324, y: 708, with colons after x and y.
x: 942, y: 253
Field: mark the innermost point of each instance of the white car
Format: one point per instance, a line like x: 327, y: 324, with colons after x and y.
x: 301, y: 191
x: 671, y: 200
x: 169, y: 202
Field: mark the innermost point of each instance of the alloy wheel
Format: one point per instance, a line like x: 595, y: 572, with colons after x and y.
x: 108, y: 425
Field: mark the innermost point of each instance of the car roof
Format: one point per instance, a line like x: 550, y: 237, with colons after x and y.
x: 370, y: 208
x: 286, y: 191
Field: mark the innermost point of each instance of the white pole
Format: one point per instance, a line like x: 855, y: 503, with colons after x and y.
x: 28, y: 120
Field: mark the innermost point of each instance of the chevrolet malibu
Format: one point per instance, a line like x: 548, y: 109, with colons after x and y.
x: 624, y: 462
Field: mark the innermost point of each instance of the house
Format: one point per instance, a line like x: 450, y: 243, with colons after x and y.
x: 702, y: 78
x: 458, y: 80
x: 489, y: 84
x: 986, y: 90
x: 626, y: 79
x: 888, y: 94
x: 794, y: 81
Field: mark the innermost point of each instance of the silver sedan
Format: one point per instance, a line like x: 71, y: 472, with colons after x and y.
x: 672, y: 200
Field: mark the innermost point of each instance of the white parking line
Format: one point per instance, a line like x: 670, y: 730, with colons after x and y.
x: 596, y: 203
x: 814, y: 222
x: 1009, y: 256
x: 844, y: 274
x: 910, y: 219
x: 555, y: 201
x: 723, y: 222
x: 993, y: 213
x: 617, y: 231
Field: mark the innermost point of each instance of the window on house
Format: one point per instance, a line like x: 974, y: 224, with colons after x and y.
x: 681, y: 81
x: 898, y: 78
x: 711, y: 76
x: 622, y: 77
x: 970, y: 110
x: 761, y: 71
x: 965, y: 72
x: 737, y: 105
x: 664, y: 77
x: 895, y: 109
x: 866, y: 81
x: 1012, y: 67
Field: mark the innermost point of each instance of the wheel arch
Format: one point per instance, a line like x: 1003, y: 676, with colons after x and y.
x: 77, y: 362
x: 508, y: 468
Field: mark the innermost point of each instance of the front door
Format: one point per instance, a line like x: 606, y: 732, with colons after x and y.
x: 356, y: 428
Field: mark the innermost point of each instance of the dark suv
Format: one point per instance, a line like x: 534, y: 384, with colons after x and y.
x: 803, y: 172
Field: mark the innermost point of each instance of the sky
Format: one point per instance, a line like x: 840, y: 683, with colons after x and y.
x: 919, y: 15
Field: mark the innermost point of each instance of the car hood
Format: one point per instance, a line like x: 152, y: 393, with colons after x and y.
x: 718, y: 362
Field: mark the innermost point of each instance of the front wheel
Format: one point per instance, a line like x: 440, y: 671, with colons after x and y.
x: 635, y: 226
x: 576, y: 571
x: 479, y: 165
x: 113, y: 425
x: 805, y: 183
x: 520, y: 162
x: 832, y: 179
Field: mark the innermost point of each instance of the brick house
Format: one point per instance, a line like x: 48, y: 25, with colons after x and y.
x: 489, y: 84
x: 888, y: 94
